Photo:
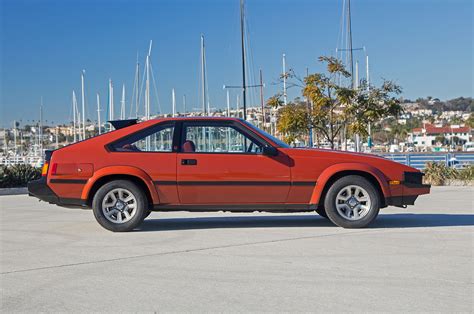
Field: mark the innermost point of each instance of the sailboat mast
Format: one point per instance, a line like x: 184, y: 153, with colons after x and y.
x: 228, y: 104
x: 357, y: 75
x: 122, y: 104
x: 137, y: 87
x: 98, y: 114
x: 74, y: 108
x: 261, y: 99
x: 242, y: 34
x: 238, y: 106
x: 111, y: 100
x: 285, y: 99
x: 14, y: 137
x: 184, y: 105
x: 147, y: 91
x: 367, y: 72
x: 173, y: 99
x: 349, y: 34
x: 40, y: 133
x: 203, y: 75
x: 83, y: 106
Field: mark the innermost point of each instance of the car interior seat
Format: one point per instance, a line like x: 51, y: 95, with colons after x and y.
x: 188, y: 147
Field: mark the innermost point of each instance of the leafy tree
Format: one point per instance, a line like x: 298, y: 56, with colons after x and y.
x: 293, y: 122
x: 470, y: 120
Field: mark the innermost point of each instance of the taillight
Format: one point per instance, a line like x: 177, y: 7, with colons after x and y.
x: 47, y: 158
x: 44, y: 170
x: 53, y: 169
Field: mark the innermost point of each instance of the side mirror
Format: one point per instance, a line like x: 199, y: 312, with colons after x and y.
x: 270, y: 151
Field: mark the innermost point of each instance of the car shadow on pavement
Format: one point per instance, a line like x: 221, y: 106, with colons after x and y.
x: 233, y: 222
x: 423, y: 220
x: 383, y: 221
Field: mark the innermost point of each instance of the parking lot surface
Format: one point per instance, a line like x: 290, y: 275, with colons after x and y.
x: 415, y: 259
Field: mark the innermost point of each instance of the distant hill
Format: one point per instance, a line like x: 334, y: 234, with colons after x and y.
x: 465, y: 104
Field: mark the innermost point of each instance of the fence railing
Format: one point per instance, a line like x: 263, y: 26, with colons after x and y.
x: 419, y: 160
x: 18, y: 160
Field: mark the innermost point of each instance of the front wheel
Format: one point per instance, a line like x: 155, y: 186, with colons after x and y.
x: 352, y: 202
x: 120, y: 206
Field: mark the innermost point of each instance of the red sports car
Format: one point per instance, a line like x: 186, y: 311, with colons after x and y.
x: 214, y: 164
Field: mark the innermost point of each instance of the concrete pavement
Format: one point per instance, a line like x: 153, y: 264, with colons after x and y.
x: 418, y: 259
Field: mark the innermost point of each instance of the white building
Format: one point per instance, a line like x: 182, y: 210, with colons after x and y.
x: 426, y: 136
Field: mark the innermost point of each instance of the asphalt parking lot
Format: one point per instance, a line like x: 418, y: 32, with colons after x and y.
x: 418, y: 259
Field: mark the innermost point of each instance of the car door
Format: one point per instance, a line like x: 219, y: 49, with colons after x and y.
x: 222, y: 163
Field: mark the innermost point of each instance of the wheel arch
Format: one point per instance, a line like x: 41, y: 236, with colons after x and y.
x: 137, y: 176
x: 329, y: 176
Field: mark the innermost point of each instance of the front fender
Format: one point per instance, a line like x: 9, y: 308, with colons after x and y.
x: 121, y: 170
x: 329, y: 172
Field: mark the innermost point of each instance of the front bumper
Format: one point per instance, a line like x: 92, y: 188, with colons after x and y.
x: 408, y: 194
x: 40, y: 189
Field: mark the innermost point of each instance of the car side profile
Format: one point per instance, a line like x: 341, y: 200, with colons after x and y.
x: 218, y: 164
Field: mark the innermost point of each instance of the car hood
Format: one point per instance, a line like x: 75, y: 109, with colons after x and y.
x: 391, y: 169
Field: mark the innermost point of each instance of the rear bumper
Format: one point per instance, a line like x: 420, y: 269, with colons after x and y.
x: 40, y: 189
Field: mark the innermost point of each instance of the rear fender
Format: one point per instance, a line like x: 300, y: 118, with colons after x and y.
x: 121, y: 170
x: 329, y: 172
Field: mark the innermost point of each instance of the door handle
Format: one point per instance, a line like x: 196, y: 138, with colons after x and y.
x: 189, y: 162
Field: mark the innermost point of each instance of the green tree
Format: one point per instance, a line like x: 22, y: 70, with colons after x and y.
x: 293, y: 122
x: 334, y: 106
x: 470, y: 120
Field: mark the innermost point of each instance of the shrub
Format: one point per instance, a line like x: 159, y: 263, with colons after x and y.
x: 466, y: 174
x: 18, y: 175
x: 440, y: 174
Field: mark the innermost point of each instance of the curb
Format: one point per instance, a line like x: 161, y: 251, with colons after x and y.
x: 13, y: 191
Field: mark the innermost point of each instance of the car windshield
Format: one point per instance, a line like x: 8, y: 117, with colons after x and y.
x: 280, y: 143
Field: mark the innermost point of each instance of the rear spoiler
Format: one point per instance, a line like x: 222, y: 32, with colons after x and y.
x: 120, y: 124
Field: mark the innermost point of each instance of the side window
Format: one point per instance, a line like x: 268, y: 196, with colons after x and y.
x: 217, y: 139
x: 153, y: 140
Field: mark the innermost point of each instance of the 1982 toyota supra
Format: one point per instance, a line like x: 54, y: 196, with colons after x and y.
x: 212, y: 164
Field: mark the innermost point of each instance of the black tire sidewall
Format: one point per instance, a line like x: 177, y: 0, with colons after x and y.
x: 322, y: 212
x: 142, y: 206
x: 330, y: 199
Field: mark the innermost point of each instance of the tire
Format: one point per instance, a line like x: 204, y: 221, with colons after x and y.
x: 322, y: 212
x: 148, y: 213
x: 120, y: 206
x: 352, y: 211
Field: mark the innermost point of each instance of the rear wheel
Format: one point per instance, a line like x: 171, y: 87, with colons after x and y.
x: 120, y: 206
x: 352, y: 202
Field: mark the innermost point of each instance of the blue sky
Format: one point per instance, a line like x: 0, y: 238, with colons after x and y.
x: 424, y: 45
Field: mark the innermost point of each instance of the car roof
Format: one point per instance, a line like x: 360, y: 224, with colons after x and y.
x: 198, y: 118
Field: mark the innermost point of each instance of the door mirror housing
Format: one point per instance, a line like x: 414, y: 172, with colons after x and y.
x: 270, y: 151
